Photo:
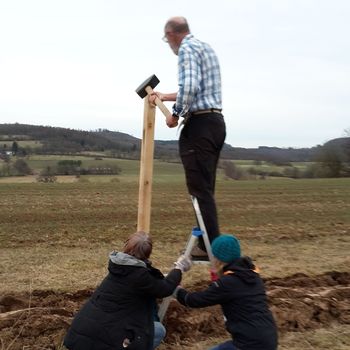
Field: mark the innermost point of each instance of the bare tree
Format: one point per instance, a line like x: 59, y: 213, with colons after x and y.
x: 331, y: 158
x: 232, y: 171
x: 22, y: 167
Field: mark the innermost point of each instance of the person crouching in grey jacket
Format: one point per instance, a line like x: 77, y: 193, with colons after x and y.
x: 121, y: 312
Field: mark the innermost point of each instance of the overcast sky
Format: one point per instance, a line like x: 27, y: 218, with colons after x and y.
x: 76, y: 64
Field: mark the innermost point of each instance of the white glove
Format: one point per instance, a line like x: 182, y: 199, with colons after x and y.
x: 183, y: 263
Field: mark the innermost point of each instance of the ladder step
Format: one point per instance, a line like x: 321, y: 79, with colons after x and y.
x: 200, y: 262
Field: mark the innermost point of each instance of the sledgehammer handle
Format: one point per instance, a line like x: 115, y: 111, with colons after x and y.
x: 159, y: 103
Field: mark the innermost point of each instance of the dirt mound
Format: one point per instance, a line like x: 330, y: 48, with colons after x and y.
x: 299, y: 302
x: 39, y: 320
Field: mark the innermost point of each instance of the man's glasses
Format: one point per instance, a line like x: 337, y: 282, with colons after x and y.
x: 165, y: 38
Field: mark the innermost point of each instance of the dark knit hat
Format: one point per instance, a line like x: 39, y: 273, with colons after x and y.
x: 226, y: 248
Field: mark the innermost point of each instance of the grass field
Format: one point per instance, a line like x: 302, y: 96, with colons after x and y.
x: 22, y: 144
x: 130, y: 168
x: 302, y: 220
x: 57, y: 236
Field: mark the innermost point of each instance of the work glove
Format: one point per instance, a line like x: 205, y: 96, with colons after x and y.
x: 183, y: 263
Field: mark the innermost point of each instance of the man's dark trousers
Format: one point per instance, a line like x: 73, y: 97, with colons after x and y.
x: 200, y: 143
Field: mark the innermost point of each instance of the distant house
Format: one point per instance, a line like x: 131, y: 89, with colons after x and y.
x: 5, y: 154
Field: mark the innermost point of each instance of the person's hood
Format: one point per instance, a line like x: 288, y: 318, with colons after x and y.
x: 243, y: 268
x: 119, y: 259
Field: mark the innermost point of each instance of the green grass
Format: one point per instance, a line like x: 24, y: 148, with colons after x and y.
x: 131, y: 167
x: 22, y: 144
x: 269, y: 167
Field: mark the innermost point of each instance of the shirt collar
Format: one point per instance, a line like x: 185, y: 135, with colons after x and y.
x: 187, y: 38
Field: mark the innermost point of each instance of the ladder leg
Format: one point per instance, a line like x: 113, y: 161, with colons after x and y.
x: 166, y: 301
x: 190, y: 244
x: 204, y: 230
x: 164, y: 307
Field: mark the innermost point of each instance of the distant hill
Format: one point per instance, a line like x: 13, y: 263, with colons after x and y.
x: 342, y: 142
x: 275, y: 154
x: 341, y: 146
x: 117, y: 144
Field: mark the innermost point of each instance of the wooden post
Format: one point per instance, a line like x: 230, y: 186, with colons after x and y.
x: 146, y: 168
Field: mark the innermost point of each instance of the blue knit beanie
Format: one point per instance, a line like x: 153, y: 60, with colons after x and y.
x: 226, y: 248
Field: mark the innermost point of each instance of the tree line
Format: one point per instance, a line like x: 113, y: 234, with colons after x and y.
x: 329, y: 160
x: 120, y: 145
x: 63, y: 167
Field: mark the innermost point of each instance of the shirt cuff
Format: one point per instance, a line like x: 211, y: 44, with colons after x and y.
x: 176, y: 111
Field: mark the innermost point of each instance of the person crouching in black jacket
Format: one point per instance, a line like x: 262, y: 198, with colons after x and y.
x: 121, y: 312
x: 241, y: 293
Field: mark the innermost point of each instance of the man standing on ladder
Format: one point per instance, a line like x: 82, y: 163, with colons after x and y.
x: 198, y: 102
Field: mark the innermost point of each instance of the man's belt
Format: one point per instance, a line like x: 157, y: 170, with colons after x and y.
x: 206, y: 111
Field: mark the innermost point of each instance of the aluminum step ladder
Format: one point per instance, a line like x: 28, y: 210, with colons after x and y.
x: 195, y: 234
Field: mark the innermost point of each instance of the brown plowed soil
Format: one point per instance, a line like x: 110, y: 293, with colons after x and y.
x: 299, y: 303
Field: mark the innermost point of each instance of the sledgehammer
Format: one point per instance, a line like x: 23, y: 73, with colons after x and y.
x: 147, y: 150
x: 146, y: 88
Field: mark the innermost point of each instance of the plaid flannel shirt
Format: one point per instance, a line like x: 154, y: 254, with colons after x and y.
x: 199, y: 77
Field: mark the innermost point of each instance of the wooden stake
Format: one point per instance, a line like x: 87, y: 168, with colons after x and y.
x: 146, y: 169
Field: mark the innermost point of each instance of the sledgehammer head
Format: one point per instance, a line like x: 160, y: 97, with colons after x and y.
x: 152, y: 81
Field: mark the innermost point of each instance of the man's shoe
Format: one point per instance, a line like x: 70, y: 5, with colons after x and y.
x: 198, y: 254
